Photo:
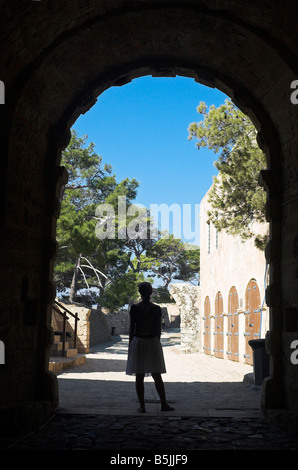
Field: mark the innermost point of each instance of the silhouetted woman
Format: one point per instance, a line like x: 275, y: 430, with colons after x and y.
x: 145, y: 355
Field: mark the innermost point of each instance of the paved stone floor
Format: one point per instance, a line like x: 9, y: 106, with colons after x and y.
x: 216, y: 408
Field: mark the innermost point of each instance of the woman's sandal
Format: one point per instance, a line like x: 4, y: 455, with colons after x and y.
x: 167, y: 408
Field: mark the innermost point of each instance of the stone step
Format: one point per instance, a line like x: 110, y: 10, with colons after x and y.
x: 70, y: 352
x: 67, y: 353
x: 58, y: 338
x: 59, y: 364
x: 58, y: 346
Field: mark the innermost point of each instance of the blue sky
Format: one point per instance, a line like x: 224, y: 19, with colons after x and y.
x: 141, y: 130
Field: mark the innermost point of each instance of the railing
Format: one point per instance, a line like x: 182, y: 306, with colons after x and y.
x: 57, y: 306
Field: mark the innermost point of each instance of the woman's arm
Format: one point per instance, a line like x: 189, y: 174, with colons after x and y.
x: 132, y: 326
x: 159, y: 324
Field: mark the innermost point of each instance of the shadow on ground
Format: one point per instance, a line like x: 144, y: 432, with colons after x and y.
x: 193, y: 384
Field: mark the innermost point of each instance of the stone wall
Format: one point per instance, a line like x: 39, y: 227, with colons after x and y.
x: 117, y: 322
x: 92, y: 327
x: 170, y: 315
x: 96, y: 327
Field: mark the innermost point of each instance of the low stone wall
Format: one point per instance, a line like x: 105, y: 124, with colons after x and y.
x: 117, y: 322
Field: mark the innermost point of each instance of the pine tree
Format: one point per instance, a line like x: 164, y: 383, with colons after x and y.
x: 236, y: 198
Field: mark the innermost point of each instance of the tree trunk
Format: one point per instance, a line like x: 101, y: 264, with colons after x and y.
x: 74, y: 282
x: 101, y: 292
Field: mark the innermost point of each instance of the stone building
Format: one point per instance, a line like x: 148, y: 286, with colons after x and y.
x: 56, y: 59
x: 233, y: 280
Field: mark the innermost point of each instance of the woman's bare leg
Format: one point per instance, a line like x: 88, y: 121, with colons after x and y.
x: 160, y: 388
x: 140, y: 391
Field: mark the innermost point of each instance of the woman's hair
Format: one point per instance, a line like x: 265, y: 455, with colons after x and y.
x: 145, y: 289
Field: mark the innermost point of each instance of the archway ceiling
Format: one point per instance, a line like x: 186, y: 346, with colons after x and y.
x: 60, y: 57
x: 31, y: 26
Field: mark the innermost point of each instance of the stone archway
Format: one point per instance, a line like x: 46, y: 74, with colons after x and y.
x: 56, y: 62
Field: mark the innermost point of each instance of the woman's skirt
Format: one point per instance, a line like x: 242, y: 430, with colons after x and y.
x: 145, y: 356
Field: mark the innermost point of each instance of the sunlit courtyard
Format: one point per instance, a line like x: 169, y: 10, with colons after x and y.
x: 196, y: 384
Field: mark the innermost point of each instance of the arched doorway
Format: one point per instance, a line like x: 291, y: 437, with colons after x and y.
x: 233, y: 325
x: 52, y: 78
x: 252, y: 317
x: 218, y: 327
x: 207, y: 326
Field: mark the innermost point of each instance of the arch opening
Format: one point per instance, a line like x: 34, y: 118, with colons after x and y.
x: 223, y: 347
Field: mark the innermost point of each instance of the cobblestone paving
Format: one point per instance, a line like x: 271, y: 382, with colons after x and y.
x: 216, y: 408
x: 154, y: 434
